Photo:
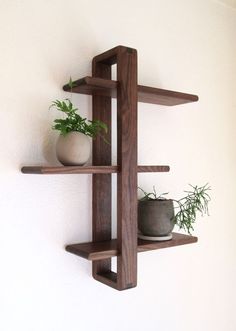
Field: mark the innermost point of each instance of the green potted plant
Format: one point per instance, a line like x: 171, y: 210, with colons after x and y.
x: 73, y: 146
x: 157, y: 215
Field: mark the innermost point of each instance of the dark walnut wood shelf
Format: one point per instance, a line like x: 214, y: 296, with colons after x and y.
x: 95, y: 251
x: 105, y: 87
x: 66, y: 170
x: 128, y: 93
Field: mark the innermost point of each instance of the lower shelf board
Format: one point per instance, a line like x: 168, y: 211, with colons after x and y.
x: 95, y: 251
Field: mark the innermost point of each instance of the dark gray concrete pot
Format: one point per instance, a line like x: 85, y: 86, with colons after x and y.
x: 155, y: 217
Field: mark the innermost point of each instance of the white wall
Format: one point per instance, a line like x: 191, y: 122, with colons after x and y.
x: 184, y: 45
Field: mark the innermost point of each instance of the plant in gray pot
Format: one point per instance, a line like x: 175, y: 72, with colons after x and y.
x: 73, y: 146
x: 157, y: 215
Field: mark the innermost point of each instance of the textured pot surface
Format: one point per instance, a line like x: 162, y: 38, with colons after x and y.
x: 73, y: 149
x: 155, y: 217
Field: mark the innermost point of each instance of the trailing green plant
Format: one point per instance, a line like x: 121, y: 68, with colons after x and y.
x: 74, y: 122
x: 196, y: 200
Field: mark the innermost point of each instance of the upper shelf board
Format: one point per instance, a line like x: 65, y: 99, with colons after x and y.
x: 87, y: 169
x: 105, y: 87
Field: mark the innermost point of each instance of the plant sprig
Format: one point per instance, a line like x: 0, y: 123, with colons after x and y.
x: 151, y: 196
x: 195, y: 201
x: 74, y: 122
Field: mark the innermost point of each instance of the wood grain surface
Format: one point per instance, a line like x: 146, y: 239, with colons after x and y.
x: 100, y: 250
x: 97, y: 86
x: 101, y: 204
x: 67, y: 170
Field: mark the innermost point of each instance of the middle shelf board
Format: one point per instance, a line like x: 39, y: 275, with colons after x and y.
x: 42, y: 170
x: 95, y: 251
x: 99, y: 86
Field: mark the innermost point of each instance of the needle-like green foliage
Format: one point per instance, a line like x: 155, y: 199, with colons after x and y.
x: 151, y: 196
x: 195, y: 201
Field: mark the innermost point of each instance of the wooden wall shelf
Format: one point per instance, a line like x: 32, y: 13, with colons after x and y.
x: 95, y: 251
x: 104, y: 87
x: 128, y: 93
x: 67, y: 170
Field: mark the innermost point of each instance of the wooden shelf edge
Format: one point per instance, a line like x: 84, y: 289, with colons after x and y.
x: 95, y: 251
x: 107, y: 278
x: 44, y: 170
x: 177, y: 240
x: 89, y: 250
x: 153, y: 168
x: 66, y: 170
x: 147, y: 94
x: 93, y: 82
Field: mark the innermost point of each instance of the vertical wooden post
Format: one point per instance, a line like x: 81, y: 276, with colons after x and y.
x: 127, y: 161
x: 126, y: 277
x: 102, y: 182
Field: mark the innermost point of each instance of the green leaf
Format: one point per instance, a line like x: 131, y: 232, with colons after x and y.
x: 71, y: 84
x: 74, y: 122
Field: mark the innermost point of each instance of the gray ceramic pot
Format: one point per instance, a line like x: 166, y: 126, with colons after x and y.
x: 155, y: 217
x: 73, y: 149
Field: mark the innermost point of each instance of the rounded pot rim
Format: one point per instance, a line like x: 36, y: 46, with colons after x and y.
x: 155, y: 201
x: 73, y: 132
